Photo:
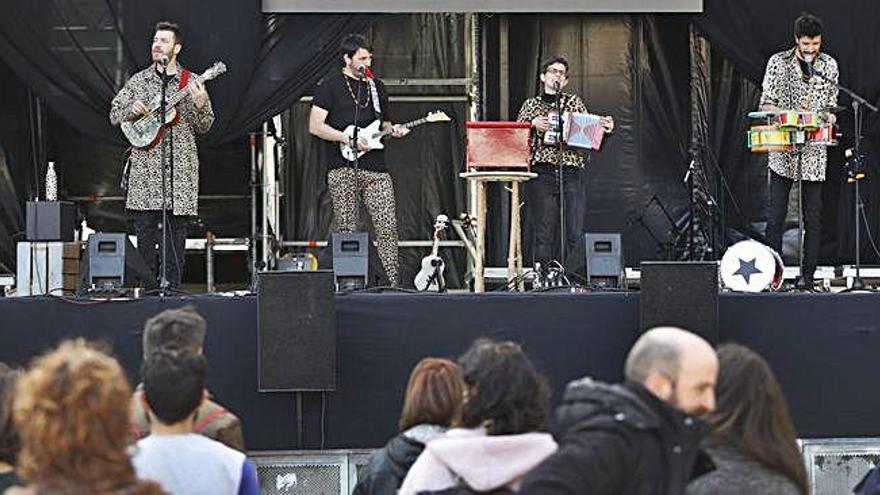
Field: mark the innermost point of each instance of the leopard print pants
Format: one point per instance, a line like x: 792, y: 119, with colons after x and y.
x: 376, y: 191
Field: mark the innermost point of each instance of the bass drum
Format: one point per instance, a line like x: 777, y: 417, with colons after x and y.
x: 749, y: 266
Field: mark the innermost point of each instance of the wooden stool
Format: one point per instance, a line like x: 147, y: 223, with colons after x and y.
x: 514, y: 251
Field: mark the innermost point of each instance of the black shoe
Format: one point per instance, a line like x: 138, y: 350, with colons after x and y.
x: 804, y: 283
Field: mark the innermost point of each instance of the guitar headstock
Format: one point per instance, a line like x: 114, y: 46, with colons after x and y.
x: 215, y: 70
x: 440, y: 223
x: 438, y: 116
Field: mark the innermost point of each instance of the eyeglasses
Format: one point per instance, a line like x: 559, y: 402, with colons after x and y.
x: 556, y: 72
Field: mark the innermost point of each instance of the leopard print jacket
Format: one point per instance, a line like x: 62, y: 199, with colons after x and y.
x: 145, y: 179
x: 785, y: 87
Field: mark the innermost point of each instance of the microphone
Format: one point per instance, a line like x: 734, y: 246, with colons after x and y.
x: 808, y: 58
x: 361, y: 70
x: 556, y: 85
x: 164, y: 60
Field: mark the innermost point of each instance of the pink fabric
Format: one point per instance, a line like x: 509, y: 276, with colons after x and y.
x: 483, y: 462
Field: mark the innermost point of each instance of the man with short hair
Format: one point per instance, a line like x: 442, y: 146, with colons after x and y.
x: 639, y: 437
x: 790, y: 83
x: 182, y: 461
x: 543, y: 191
x: 184, y: 329
x: 144, y: 201
x: 365, y: 182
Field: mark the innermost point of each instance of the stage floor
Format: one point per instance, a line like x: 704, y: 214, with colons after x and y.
x: 823, y: 347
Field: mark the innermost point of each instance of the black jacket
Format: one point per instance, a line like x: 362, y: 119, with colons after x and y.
x: 387, y: 468
x: 618, y: 439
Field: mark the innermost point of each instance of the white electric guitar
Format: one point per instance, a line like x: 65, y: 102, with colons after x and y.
x: 373, y: 134
x: 145, y: 131
x: 430, y: 277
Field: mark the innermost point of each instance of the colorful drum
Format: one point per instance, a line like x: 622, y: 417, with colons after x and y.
x: 763, y: 138
x: 808, y: 121
x: 789, y: 120
x: 824, y: 135
x: 749, y: 266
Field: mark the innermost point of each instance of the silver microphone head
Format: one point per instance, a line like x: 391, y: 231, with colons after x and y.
x: 361, y: 70
x: 164, y: 60
x: 808, y: 58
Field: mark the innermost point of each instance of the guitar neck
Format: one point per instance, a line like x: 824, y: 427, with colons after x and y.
x: 408, y: 125
x: 181, y: 94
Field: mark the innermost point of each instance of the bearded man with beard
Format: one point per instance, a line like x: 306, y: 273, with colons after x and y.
x: 639, y: 437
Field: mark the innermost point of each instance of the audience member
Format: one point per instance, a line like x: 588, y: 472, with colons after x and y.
x: 9, y: 441
x: 183, y: 461
x: 431, y: 404
x: 753, y: 443
x: 498, y: 439
x: 640, y: 437
x: 185, y: 329
x: 71, y: 411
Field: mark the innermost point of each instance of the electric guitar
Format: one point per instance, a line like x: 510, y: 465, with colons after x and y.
x: 430, y: 277
x: 145, y: 131
x: 372, y: 134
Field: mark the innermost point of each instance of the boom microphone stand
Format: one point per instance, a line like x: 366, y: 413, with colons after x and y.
x: 857, y: 102
x: 559, y: 175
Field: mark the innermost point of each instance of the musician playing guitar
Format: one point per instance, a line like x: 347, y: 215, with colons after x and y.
x: 194, y: 116
x: 338, y: 98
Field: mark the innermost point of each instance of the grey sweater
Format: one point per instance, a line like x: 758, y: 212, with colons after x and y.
x: 737, y: 473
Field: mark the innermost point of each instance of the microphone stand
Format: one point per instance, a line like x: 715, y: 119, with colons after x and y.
x: 857, y: 102
x: 559, y: 175
x: 164, y: 283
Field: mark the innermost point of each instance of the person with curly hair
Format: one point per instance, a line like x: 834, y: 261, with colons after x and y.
x: 71, y: 411
x: 431, y: 404
x: 498, y: 439
x: 9, y: 440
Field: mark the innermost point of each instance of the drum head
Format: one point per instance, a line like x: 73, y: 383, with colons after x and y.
x: 749, y: 266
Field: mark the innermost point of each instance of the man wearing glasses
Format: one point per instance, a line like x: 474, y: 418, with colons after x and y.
x: 543, y: 192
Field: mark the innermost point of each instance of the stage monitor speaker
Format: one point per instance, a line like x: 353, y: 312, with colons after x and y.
x: 680, y: 294
x: 604, y: 260
x: 296, y: 331
x: 354, y: 260
x: 50, y: 220
x: 111, y: 263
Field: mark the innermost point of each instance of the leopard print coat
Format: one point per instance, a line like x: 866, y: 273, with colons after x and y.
x: 784, y: 86
x: 145, y: 179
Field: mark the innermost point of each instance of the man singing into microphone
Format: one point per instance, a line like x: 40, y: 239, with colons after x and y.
x: 195, y: 116
x: 338, y: 98
x: 792, y: 81
x: 543, y: 191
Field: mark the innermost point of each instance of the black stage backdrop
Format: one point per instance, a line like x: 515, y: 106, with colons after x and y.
x: 74, y: 56
x: 821, y: 347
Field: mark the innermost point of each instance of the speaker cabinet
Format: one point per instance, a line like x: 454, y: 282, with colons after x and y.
x: 111, y: 263
x: 604, y: 260
x: 296, y: 331
x: 50, y: 220
x: 680, y: 294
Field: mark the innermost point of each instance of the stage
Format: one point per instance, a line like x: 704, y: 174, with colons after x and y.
x: 823, y: 348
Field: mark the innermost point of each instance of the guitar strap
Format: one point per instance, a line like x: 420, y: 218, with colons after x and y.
x: 184, y: 79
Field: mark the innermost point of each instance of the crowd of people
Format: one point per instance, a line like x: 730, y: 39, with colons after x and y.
x: 687, y: 419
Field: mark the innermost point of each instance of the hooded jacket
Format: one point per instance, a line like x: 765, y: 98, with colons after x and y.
x: 618, y: 439
x: 481, y: 462
x: 386, y: 469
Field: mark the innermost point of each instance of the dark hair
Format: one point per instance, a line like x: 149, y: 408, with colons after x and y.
x: 556, y: 59
x: 170, y: 26
x: 10, y: 443
x: 433, y: 394
x: 174, y: 383
x: 807, y: 25
x: 351, y: 44
x: 751, y: 413
x: 181, y: 329
x: 505, y: 391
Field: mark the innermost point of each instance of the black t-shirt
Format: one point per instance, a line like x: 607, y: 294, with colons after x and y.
x: 336, y: 94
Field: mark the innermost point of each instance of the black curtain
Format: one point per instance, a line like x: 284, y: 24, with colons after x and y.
x: 424, y: 165
x: 74, y: 57
x: 747, y: 32
x: 631, y: 67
